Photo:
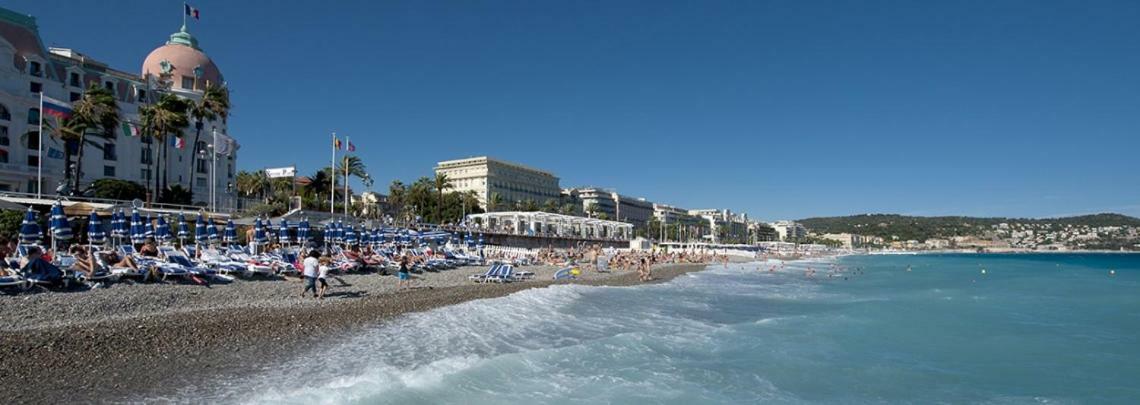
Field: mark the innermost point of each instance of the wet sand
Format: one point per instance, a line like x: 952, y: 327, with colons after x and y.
x: 137, y: 341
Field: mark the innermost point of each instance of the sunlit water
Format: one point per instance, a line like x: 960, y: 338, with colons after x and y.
x: 1033, y: 329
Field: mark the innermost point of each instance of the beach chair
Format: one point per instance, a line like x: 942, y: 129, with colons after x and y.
x: 481, y: 278
x: 221, y: 263
x: 98, y: 276
x: 174, y: 258
x: 11, y: 279
x: 506, y: 274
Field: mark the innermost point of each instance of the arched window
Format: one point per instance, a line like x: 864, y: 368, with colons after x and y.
x: 4, y: 113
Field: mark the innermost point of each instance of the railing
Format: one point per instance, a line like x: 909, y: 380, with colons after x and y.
x: 163, y: 206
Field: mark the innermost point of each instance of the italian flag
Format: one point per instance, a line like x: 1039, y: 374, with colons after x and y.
x: 130, y: 129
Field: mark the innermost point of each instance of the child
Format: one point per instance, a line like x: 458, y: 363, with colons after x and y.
x: 323, y: 274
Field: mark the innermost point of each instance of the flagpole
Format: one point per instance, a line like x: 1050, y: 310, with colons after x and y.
x: 184, y: 5
x: 40, y: 160
x: 346, y: 141
x: 332, y: 178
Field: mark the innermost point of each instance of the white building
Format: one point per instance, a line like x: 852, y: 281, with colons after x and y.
x: 28, y: 68
x: 789, y: 230
x: 514, y: 182
x: 725, y: 226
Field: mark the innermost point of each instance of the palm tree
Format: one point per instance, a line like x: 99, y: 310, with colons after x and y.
x: 494, y: 202
x: 317, y: 184
x: 214, y: 104
x: 441, y: 183
x: 550, y: 206
x: 166, y: 117
x: 96, y: 113
x: 251, y: 183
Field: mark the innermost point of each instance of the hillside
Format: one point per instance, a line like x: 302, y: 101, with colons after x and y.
x: 902, y: 227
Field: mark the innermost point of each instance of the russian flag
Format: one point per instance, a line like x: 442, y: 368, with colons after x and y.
x: 191, y: 11
x: 55, y: 107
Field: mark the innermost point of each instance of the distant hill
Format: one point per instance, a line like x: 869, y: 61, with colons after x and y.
x: 922, y: 228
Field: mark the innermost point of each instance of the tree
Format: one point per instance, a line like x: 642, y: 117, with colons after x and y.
x: 316, y: 185
x: 160, y: 120
x: 567, y: 209
x: 550, y: 206
x: 529, y: 205
x: 96, y: 113
x: 251, y: 184
x: 214, y: 104
x: 495, y: 202
x: 397, y: 197
x: 441, y: 183
x: 176, y: 194
x: 118, y: 189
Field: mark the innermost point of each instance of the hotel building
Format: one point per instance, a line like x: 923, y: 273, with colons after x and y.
x: 486, y: 177
x: 789, y: 231
x: 28, y: 68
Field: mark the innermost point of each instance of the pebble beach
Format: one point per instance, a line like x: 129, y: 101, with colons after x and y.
x: 128, y: 342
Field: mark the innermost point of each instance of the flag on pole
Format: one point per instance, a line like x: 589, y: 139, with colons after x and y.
x: 351, y: 147
x: 55, y: 107
x: 224, y: 145
x: 191, y: 11
x: 336, y: 143
x: 130, y: 129
x: 177, y: 142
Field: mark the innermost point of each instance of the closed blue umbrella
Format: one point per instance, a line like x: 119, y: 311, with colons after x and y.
x: 162, y: 230
x: 200, y: 229
x: 338, y: 232
x: 30, y: 232
x: 329, y: 233
x: 268, y: 227
x: 480, y: 240
x: 231, y: 232
x: 211, y: 232
x: 60, y: 229
x: 283, y: 232
x: 138, y: 231
x: 183, y: 229
x: 95, y: 233
x: 349, y: 235
x: 119, y: 225
x: 259, y: 232
x: 303, y: 231
x: 148, y: 227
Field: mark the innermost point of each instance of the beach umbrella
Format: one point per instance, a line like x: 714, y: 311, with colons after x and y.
x: 183, y: 229
x: 303, y: 231
x: 200, y: 229
x: 211, y: 232
x: 148, y: 227
x: 329, y: 233
x: 60, y: 229
x: 268, y: 226
x: 349, y: 235
x: 259, y: 232
x: 119, y: 225
x: 162, y: 230
x: 231, y: 232
x: 30, y: 232
x: 338, y: 232
x: 137, y: 232
x: 95, y: 233
x: 283, y: 231
x: 480, y: 244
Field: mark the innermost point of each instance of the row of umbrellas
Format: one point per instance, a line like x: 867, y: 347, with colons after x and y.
x: 138, y: 229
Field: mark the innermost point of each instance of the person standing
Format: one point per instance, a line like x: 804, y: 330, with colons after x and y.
x: 311, y: 270
x: 404, y: 275
x: 323, y: 275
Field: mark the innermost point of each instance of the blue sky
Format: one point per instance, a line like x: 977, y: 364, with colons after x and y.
x: 782, y: 109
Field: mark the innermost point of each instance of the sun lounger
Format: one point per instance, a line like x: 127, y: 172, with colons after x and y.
x: 480, y: 278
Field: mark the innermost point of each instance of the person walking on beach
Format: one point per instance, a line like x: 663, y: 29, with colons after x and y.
x: 311, y: 266
x: 404, y: 274
x: 323, y: 274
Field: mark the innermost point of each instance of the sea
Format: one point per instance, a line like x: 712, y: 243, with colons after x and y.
x: 939, y: 328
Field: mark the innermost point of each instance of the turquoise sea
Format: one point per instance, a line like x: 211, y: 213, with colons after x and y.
x: 1035, y: 328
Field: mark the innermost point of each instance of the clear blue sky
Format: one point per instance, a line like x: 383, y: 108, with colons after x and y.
x: 782, y: 109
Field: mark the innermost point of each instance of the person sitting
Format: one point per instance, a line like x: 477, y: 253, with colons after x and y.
x: 34, y: 266
x: 84, y: 262
x: 148, y: 249
x: 114, y: 260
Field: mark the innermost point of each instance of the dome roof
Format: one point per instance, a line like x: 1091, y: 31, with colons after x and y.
x: 180, y: 59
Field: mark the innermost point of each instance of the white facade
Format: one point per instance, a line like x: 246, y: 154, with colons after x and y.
x: 27, y: 68
x: 789, y: 230
x: 514, y: 182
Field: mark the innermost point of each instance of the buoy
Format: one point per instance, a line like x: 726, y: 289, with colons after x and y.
x: 983, y: 271
x: 1112, y: 272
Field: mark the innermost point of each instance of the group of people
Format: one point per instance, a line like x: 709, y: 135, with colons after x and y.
x: 38, y: 262
x: 315, y: 269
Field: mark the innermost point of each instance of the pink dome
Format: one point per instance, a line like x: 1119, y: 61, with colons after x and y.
x: 180, y: 58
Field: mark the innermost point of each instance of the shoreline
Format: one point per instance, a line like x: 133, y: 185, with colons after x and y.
x: 185, y: 340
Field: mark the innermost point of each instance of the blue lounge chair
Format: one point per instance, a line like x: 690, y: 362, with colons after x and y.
x: 482, y: 278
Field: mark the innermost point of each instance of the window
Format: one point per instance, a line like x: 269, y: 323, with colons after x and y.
x: 146, y: 158
x: 231, y: 171
x: 108, y: 171
x: 33, y: 185
x: 4, y: 136
x: 35, y: 69
x: 5, y: 187
x: 75, y: 96
x: 187, y: 82
x: 33, y: 140
x: 33, y: 160
x: 146, y: 139
x: 34, y: 116
x: 109, y: 152
x: 203, y: 166
x: 109, y: 85
x: 144, y: 173
x: 201, y: 182
x: 36, y: 88
x: 3, y: 156
x: 141, y: 95
x: 4, y: 114
x: 201, y: 148
x: 73, y: 79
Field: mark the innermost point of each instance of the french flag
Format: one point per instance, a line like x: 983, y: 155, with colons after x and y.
x: 191, y: 11
x: 55, y: 107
